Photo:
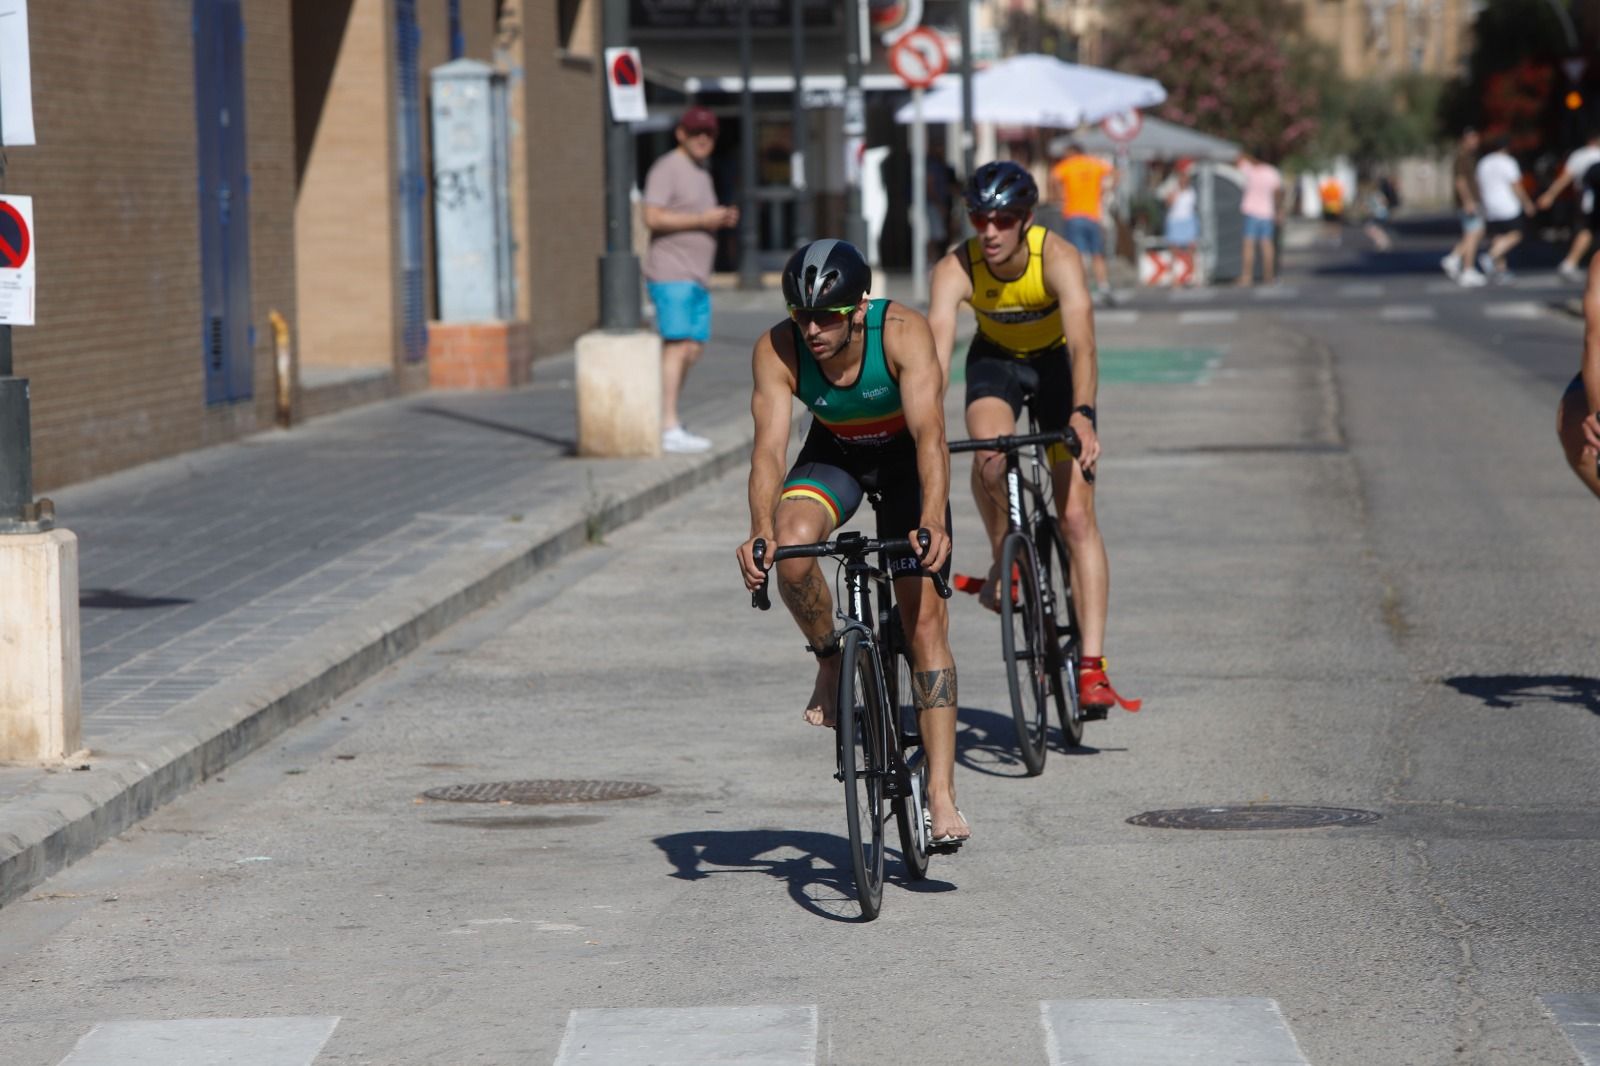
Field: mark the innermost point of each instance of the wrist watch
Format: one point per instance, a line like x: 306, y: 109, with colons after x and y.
x: 1087, y: 412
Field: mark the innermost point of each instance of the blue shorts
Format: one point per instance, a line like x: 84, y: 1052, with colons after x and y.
x: 1182, y: 232
x: 1258, y: 229
x: 1470, y: 223
x: 1086, y: 236
x: 683, y: 310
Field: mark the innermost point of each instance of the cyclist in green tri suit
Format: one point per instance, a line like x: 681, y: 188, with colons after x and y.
x: 867, y: 371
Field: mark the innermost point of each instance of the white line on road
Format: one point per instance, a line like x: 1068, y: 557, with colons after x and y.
x: 1123, y: 318
x: 1193, y: 296
x: 690, y: 1036
x: 1275, y: 292
x: 1150, y: 1032
x: 1442, y: 288
x: 202, y: 1041
x: 1406, y: 313
x: 1579, y: 1018
x: 1361, y: 290
x: 1309, y: 314
x: 1513, y: 309
x: 1208, y: 318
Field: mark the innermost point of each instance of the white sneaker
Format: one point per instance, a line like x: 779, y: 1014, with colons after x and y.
x: 1569, y: 272
x: 1486, y: 264
x: 1451, y: 266
x: 681, y: 442
x: 1470, y: 279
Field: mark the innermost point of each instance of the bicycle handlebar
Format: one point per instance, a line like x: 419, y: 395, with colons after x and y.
x: 848, y: 546
x: 1067, y: 436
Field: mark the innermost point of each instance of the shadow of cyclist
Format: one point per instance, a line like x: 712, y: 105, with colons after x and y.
x: 986, y: 742
x: 1509, y: 691
x: 827, y: 890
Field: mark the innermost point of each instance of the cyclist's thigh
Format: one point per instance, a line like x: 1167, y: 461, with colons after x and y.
x: 900, y: 509
x: 1570, y: 413
x: 994, y: 395
x: 821, y: 483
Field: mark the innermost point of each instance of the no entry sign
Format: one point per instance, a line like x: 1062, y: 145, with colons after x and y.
x: 1124, y: 126
x: 16, y: 260
x: 625, y: 85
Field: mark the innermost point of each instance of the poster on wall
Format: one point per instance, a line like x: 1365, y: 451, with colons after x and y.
x: 16, y: 75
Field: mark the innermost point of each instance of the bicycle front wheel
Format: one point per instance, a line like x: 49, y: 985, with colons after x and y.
x: 863, y: 766
x: 1022, y: 645
x: 910, y: 807
x: 1061, y: 633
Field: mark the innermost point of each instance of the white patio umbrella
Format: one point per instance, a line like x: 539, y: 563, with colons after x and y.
x: 1039, y: 90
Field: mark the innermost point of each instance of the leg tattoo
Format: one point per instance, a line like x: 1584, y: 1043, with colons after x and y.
x: 934, y: 688
x: 808, y: 599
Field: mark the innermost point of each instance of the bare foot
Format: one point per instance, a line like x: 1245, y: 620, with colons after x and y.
x: 820, y: 709
x: 989, y: 595
x: 947, y: 820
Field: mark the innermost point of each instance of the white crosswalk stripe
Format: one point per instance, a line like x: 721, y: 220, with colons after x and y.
x: 1275, y: 292
x: 1208, y: 318
x: 1579, y: 1018
x: 1156, y: 1032
x: 1361, y: 290
x: 1119, y: 318
x: 203, y: 1042
x: 1407, y: 313
x: 1513, y: 309
x: 1192, y: 296
x: 690, y: 1036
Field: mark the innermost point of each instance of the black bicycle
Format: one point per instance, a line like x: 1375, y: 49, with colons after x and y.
x: 879, y: 752
x: 1039, y: 636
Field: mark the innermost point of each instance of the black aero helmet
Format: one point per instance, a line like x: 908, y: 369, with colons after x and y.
x: 826, y: 273
x: 1002, y: 186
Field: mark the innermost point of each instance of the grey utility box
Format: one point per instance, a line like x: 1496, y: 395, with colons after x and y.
x: 471, y: 202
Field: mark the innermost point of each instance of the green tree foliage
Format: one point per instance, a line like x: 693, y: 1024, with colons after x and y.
x: 1374, y: 121
x: 1230, y: 67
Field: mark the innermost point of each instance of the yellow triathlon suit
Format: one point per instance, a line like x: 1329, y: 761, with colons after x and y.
x: 1019, y: 323
x: 1018, y: 315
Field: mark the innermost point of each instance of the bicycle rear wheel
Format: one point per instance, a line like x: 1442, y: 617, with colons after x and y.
x: 1062, y: 633
x: 863, y: 766
x: 1023, y: 648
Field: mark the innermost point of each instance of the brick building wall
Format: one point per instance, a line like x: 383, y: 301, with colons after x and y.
x: 116, y: 358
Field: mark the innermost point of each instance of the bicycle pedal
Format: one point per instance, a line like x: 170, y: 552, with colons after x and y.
x: 1095, y: 714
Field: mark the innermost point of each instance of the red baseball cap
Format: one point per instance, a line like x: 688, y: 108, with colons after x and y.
x: 699, y: 119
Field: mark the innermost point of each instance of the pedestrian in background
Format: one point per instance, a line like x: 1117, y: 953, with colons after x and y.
x: 1576, y: 172
x: 1505, y: 203
x: 683, y: 216
x: 1079, y: 183
x: 1181, y: 229
x: 1459, y: 264
x: 1262, y: 207
x: 1379, y: 198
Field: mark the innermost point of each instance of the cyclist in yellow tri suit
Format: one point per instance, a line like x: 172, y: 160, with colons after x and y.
x: 1028, y: 290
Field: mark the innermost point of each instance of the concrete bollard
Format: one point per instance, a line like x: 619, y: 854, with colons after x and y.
x: 619, y: 394
x: 41, y: 680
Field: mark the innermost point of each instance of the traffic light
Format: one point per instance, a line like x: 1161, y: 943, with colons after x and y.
x: 1574, y: 100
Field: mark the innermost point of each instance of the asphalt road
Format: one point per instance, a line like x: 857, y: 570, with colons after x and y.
x: 1348, y: 571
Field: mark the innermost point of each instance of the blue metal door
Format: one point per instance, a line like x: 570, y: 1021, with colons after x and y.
x: 411, y: 186
x: 227, y: 333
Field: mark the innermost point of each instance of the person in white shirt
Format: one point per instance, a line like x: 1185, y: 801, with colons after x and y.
x: 1505, y: 203
x: 1577, y: 166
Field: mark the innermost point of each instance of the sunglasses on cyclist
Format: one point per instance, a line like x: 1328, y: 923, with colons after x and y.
x: 1000, y: 219
x: 825, y: 317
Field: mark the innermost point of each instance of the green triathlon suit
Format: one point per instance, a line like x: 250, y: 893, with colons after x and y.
x: 858, y: 442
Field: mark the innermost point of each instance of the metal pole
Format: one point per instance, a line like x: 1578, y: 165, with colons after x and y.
x: 619, y: 267
x: 749, y: 253
x: 797, y: 123
x: 855, y: 127
x: 919, y: 201
x: 458, y: 43
x: 968, y: 140
x: 16, y: 437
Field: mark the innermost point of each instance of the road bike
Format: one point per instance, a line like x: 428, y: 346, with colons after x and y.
x: 1040, y: 640
x: 878, y: 751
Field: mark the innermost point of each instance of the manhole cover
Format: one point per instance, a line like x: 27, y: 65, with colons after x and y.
x: 1254, y: 816
x: 531, y: 792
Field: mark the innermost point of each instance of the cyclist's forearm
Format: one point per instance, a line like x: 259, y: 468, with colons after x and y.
x: 766, y: 483
x: 1085, y: 372
x: 933, y: 472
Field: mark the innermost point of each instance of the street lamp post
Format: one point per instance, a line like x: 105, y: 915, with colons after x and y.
x: 855, y: 127
x: 749, y: 254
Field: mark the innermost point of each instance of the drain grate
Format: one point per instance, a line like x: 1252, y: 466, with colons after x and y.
x: 533, y: 792
x: 1254, y: 816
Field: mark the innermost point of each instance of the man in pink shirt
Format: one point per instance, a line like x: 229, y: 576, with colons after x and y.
x: 1262, y: 207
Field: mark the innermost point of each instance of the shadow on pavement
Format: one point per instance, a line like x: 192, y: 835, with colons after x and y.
x: 117, y: 600
x: 1510, y: 691
x: 698, y: 855
x: 986, y: 742
x: 568, y: 447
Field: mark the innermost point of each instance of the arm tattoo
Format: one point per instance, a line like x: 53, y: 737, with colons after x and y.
x: 934, y: 688
x: 808, y: 599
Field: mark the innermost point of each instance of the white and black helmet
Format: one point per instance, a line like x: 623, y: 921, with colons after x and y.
x: 826, y: 273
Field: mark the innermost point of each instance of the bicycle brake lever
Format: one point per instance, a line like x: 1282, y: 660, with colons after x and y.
x: 940, y: 585
x: 758, y: 597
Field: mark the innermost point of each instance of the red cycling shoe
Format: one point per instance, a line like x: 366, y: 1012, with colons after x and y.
x: 1095, y: 694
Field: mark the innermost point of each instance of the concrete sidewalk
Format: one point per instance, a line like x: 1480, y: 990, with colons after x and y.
x: 228, y: 593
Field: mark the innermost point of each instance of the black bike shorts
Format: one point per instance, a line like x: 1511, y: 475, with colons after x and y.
x: 999, y: 372
x: 839, y: 476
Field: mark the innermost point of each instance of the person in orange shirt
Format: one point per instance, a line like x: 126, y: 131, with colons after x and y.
x: 1078, y: 183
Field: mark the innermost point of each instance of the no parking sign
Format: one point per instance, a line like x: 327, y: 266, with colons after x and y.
x: 16, y: 261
